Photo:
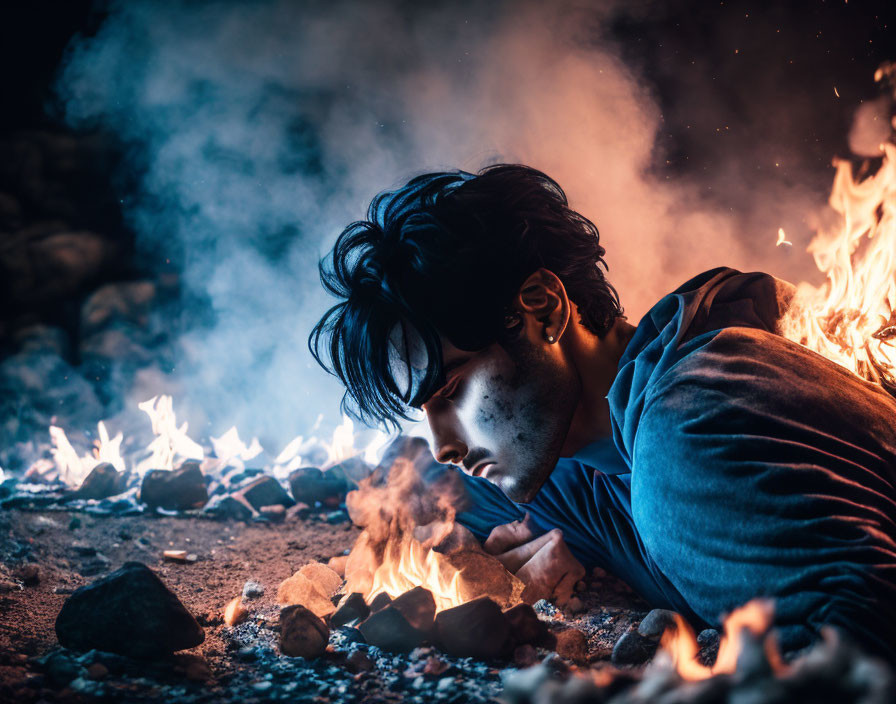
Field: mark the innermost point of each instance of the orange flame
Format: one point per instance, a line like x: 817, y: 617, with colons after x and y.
x: 755, y: 617
x: 850, y: 319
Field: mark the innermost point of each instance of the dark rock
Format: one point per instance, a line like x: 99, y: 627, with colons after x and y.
x: 178, y: 490
x: 708, y: 641
x: 572, y: 644
x: 302, y: 634
x: 525, y: 655
x: 104, y: 480
x: 359, y: 661
x: 389, y: 629
x: 477, y: 628
x: 351, y: 472
x: 230, y: 507
x: 75, y: 523
x: 526, y: 627
x: 655, y: 624
x: 632, y: 649
x: 351, y: 608
x: 380, y: 601
x: 61, y: 669
x: 130, y: 612
x: 336, y: 517
x: 264, y: 491
x: 348, y: 635
x: 28, y: 574
x: 418, y: 606
x: 310, y: 485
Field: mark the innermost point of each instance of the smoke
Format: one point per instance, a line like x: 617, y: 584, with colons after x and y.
x: 263, y: 128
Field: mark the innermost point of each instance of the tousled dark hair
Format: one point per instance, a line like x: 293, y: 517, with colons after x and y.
x: 446, y: 255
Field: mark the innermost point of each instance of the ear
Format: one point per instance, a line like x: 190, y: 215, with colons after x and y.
x: 544, y: 306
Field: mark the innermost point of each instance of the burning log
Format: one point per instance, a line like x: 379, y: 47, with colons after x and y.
x: 129, y: 612
x: 302, y: 634
x: 176, y: 490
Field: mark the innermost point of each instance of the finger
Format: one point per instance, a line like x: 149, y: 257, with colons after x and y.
x: 514, y: 559
x: 507, y: 536
x: 552, y: 571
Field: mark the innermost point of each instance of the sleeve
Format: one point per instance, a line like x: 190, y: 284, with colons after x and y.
x: 762, y: 469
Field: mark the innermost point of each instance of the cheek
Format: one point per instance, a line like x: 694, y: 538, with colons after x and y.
x: 493, y: 410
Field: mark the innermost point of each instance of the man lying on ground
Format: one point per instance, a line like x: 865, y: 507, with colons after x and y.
x: 700, y: 456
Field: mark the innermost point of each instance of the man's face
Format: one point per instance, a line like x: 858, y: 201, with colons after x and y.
x: 503, y: 414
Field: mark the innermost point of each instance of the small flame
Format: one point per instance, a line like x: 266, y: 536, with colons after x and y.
x: 782, y: 238
x: 171, y: 441
x: 73, y: 469
x: 230, y: 451
x: 755, y: 617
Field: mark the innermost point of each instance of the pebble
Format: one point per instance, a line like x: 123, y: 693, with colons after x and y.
x: 656, y: 623
x: 253, y: 590
x: 632, y: 649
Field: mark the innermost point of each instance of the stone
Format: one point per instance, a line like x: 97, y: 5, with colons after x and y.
x: 389, y: 629
x: 235, y: 613
x: 298, y: 511
x: 418, y: 606
x: 351, y: 608
x: 351, y: 472
x: 359, y: 661
x: 708, y: 641
x: 97, y: 671
x: 326, y: 579
x: 302, y: 634
x: 102, y: 481
x: 337, y: 564
x: 526, y: 627
x: 253, y: 590
x: 572, y: 644
x: 175, y: 490
x: 632, y: 649
x: 61, y: 669
x: 312, y: 586
x: 264, y: 491
x: 310, y: 485
x: 380, y: 601
x: 477, y: 629
x: 130, y: 612
x: 656, y: 623
x: 29, y: 574
x: 484, y: 575
x: 230, y: 507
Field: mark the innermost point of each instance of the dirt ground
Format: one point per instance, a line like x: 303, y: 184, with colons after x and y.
x: 71, y: 549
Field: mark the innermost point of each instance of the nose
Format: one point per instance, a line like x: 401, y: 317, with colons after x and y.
x: 447, y: 434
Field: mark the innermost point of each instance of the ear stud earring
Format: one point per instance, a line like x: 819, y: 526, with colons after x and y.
x: 550, y: 338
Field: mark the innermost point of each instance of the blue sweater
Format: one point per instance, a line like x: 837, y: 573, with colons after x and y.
x: 741, y: 465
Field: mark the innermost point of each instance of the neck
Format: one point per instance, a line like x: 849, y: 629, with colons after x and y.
x: 597, y: 361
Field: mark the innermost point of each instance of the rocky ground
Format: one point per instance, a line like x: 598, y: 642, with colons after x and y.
x: 48, y: 554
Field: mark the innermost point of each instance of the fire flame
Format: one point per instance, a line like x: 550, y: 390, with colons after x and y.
x: 754, y: 618
x: 850, y: 319
x: 72, y: 468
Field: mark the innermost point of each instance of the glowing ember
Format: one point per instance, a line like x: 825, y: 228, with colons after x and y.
x: 755, y: 617
x: 850, y: 319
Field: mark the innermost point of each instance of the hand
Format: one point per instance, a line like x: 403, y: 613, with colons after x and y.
x: 544, y: 563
